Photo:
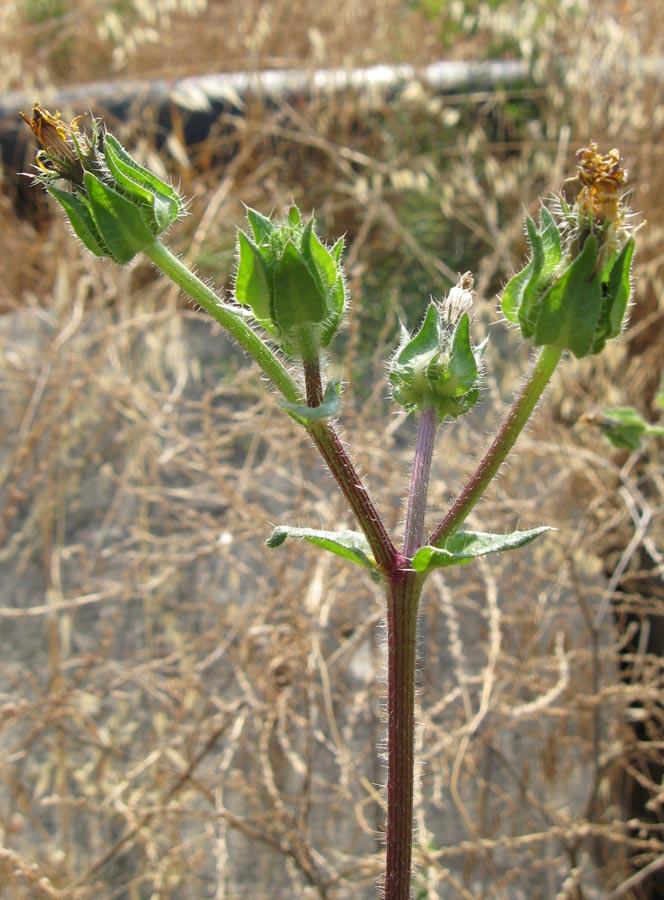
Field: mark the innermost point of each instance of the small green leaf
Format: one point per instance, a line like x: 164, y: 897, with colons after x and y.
x: 329, y: 407
x: 453, y: 381
x: 142, y: 185
x: 317, y: 255
x: 424, y: 342
x: 297, y: 299
x: 251, y: 282
x: 512, y: 295
x: 551, y: 243
x: 119, y: 222
x: 261, y: 227
x: 625, y: 427
x: 620, y: 287
x: 462, y: 387
x: 294, y: 216
x: 532, y: 289
x: 325, y: 266
x: 464, y: 546
x: 81, y: 220
x: 570, y: 309
x: 616, y: 290
x: 351, y: 545
x: 520, y: 299
x: 337, y: 249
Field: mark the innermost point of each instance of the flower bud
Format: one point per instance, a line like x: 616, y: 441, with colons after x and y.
x: 294, y: 285
x: 115, y: 206
x: 574, y: 291
x: 438, y: 367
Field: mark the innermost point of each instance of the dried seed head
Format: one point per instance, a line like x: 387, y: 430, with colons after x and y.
x: 60, y: 142
x: 602, y: 179
x: 459, y: 300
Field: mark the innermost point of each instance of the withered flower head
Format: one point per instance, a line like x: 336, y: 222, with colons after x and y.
x: 459, y: 300
x: 66, y: 151
x: 602, y: 179
x: 600, y: 207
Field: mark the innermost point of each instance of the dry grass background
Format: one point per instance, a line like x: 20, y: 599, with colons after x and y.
x: 184, y: 714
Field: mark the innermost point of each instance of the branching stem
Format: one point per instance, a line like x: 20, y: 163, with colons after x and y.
x: 419, y: 483
x: 268, y: 362
x: 347, y: 477
x: 504, y: 441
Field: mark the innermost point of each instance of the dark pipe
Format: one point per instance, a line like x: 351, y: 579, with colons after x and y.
x: 205, y: 98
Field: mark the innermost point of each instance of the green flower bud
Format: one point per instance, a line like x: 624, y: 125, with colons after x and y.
x: 115, y: 206
x: 294, y: 285
x: 438, y: 367
x: 574, y: 291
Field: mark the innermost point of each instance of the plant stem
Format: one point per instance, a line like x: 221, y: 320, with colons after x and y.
x: 200, y: 293
x: 419, y: 483
x: 504, y: 441
x: 403, y: 594
x: 313, y: 382
x: 346, y: 475
x: 403, y: 589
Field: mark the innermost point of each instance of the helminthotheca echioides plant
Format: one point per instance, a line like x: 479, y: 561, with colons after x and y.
x: 290, y: 299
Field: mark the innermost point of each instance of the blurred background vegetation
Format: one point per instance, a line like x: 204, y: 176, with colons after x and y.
x: 184, y: 714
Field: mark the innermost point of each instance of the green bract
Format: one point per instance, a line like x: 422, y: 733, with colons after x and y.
x: 159, y: 203
x: 438, y: 367
x: 572, y: 294
x: 292, y: 283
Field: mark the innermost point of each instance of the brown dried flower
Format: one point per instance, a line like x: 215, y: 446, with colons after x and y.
x: 60, y: 142
x: 602, y: 179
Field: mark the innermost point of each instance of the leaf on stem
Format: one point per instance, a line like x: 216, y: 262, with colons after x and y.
x: 625, y: 427
x: 464, y: 546
x: 351, y: 545
x: 329, y: 407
